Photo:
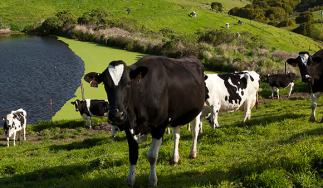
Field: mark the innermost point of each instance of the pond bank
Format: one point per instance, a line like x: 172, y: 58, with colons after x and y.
x: 96, y: 58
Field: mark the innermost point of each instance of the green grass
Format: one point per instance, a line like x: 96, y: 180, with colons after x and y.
x: 156, y: 15
x: 278, y: 147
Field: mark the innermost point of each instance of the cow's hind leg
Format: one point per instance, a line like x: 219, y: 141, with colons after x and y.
x: 7, y: 141
x: 14, y: 138
x: 176, y: 136
x: 277, y: 90
x: 195, y: 131
x: 152, y: 158
x: 291, y: 85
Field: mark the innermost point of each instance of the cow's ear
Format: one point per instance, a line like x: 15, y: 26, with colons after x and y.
x: 139, y: 73
x: 73, y: 103
x: 292, y: 62
x: 94, y: 78
x: 3, y: 118
x: 316, y: 60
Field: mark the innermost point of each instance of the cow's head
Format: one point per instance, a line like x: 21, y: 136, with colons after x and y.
x: 306, y: 64
x: 77, y: 104
x: 120, y: 81
x: 10, y: 120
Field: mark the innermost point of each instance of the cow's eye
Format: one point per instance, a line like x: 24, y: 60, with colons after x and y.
x: 129, y: 84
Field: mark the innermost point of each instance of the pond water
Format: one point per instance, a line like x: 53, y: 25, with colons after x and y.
x: 34, y: 70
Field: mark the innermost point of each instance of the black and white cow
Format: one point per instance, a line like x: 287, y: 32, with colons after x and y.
x: 227, y: 93
x: 93, y: 108
x: 148, y: 96
x: 281, y: 80
x: 311, y: 69
x: 240, y: 22
x: 14, y: 123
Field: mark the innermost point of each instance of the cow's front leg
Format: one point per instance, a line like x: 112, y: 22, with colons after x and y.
x: 212, y: 118
x: 14, y: 138
x: 195, y: 131
x: 7, y: 141
x: 314, y: 97
x: 152, y: 158
x: 176, y: 136
x: 272, y: 92
x: 133, y: 158
x: 277, y: 90
x: 24, y: 132
x: 113, y: 133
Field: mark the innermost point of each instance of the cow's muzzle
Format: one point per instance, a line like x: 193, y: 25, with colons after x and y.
x: 117, y: 116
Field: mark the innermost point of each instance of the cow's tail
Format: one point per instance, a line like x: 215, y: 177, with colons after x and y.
x: 257, y: 101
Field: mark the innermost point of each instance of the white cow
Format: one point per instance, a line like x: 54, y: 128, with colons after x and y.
x: 227, y: 93
x: 15, y: 122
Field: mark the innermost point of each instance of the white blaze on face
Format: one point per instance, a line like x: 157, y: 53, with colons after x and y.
x: 304, y: 58
x: 116, y: 73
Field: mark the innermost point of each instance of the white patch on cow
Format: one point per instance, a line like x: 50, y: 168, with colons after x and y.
x: 304, y: 58
x: 116, y: 73
x: 170, y: 119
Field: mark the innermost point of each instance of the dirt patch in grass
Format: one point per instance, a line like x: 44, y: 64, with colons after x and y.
x: 293, y: 96
x: 37, y: 137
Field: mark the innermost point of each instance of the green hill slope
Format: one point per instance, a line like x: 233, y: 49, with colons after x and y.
x: 159, y: 14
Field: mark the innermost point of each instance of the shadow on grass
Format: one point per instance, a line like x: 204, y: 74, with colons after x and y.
x: 85, y: 144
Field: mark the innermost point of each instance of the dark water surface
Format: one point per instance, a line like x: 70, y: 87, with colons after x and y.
x: 33, y: 71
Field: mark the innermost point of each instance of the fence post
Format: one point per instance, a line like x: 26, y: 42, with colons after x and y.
x: 82, y: 90
x: 51, y: 110
x: 285, y: 67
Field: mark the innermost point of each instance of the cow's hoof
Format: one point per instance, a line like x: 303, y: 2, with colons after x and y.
x: 131, y: 183
x: 152, y: 184
x: 192, y: 156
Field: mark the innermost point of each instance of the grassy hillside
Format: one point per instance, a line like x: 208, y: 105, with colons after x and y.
x: 278, y: 147
x: 159, y: 14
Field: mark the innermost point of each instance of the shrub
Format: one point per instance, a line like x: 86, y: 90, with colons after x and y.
x: 305, y: 17
x: 286, y: 23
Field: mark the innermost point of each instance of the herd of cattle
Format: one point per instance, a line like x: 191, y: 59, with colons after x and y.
x: 159, y: 92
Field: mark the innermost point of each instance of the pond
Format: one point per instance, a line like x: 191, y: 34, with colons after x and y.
x: 34, y: 70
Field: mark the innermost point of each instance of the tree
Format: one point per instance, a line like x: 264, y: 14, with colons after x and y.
x: 217, y: 6
x: 305, y: 17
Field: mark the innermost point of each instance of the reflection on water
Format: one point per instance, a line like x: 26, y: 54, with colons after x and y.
x: 33, y: 71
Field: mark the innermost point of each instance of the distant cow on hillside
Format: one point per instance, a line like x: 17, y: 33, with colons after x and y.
x: 227, y: 25
x: 240, y: 22
x: 15, y: 122
x: 281, y: 80
x: 193, y: 14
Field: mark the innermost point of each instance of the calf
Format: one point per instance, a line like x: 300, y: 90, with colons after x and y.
x: 15, y: 122
x: 281, y: 80
x: 93, y: 108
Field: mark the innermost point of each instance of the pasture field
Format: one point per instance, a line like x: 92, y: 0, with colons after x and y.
x: 278, y: 147
x: 160, y: 14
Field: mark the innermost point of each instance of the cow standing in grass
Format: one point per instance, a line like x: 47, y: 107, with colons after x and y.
x: 227, y: 93
x: 281, y: 80
x: 93, y: 108
x: 311, y: 69
x: 148, y: 96
x: 14, y: 123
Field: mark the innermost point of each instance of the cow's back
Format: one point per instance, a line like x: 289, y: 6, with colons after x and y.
x: 173, y: 89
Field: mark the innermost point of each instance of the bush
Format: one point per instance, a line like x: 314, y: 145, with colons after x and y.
x: 305, y: 17
x: 216, y: 36
x: 55, y: 25
x: 305, y: 29
x: 286, y: 23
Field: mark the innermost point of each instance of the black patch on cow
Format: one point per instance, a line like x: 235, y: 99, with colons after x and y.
x: 20, y: 116
x: 238, y: 84
x: 226, y: 98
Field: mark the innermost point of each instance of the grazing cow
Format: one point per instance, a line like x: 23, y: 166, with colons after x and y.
x: 311, y: 69
x: 240, y: 22
x: 281, y: 80
x: 93, y: 108
x: 227, y: 25
x: 15, y: 122
x: 193, y: 14
x: 238, y: 34
x: 148, y: 96
x: 227, y: 93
